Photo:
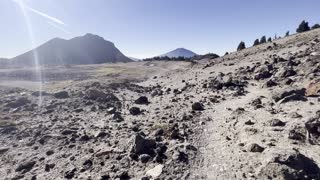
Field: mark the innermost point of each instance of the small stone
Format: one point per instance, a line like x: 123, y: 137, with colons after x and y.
x: 49, y: 153
x: 255, y: 148
x: 197, y: 106
x: 297, y: 133
x: 117, y: 117
x: 159, y: 132
x: 135, y: 111
x: 249, y: 123
x: 155, y: 172
x: 4, y: 150
x: 87, y: 163
x: 144, y: 158
x: 142, y: 145
x: 313, y: 128
x: 25, y: 166
x: 276, y: 122
x: 101, y: 134
x: 105, y: 177
x: 70, y: 174
x: 48, y: 167
x: 270, y: 83
x: 111, y: 110
x: 84, y: 138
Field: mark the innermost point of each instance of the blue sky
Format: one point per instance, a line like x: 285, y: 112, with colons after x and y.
x: 144, y: 28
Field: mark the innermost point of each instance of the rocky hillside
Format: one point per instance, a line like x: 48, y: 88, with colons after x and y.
x: 252, y: 114
x: 87, y: 49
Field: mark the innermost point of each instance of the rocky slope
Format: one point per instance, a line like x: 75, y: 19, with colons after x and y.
x: 87, y: 49
x: 252, y: 114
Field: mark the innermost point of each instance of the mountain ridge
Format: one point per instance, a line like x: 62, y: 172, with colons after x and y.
x: 87, y: 49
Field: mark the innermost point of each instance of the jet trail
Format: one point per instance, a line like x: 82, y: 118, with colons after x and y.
x: 58, y: 21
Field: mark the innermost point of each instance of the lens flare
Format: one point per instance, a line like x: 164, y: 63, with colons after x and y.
x: 37, y: 65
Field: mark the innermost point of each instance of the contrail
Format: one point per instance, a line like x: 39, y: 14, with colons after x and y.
x: 58, y: 27
x: 40, y: 13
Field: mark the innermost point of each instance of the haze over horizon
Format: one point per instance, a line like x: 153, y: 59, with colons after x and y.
x: 144, y: 29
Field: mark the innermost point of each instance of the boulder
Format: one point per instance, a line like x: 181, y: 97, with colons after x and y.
x: 143, y: 145
x: 19, y: 102
x: 263, y: 72
x: 288, y: 164
x: 287, y: 95
x: 99, y: 96
x: 95, y: 94
x: 25, y: 166
x: 284, y: 73
x: 142, y: 100
x: 313, y: 129
x: 61, y: 95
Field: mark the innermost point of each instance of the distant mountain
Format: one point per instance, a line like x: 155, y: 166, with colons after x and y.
x: 4, y: 62
x: 180, y: 52
x: 87, y: 49
x: 3, y: 59
x: 134, y: 59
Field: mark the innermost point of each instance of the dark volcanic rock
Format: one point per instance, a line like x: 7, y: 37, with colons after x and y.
x: 276, y: 122
x: 290, y: 95
x: 263, y: 72
x: 289, y: 164
x: 270, y: 83
x: 142, y: 100
x: 257, y: 103
x: 100, y: 96
x: 297, y: 133
x: 70, y: 174
x: 313, y: 127
x: 287, y: 73
x: 19, y: 102
x: 255, y: 148
x: 3, y: 150
x: 142, y: 145
x: 25, y: 166
x: 95, y: 94
x: 144, y: 158
x: 197, y: 106
x: 225, y: 81
x: 117, y: 117
x: 135, y: 111
x: 61, y: 95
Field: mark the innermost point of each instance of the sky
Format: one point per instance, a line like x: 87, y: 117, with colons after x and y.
x: 146, y: 28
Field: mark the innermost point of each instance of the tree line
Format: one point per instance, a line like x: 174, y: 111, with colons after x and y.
x: 303, y: 27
